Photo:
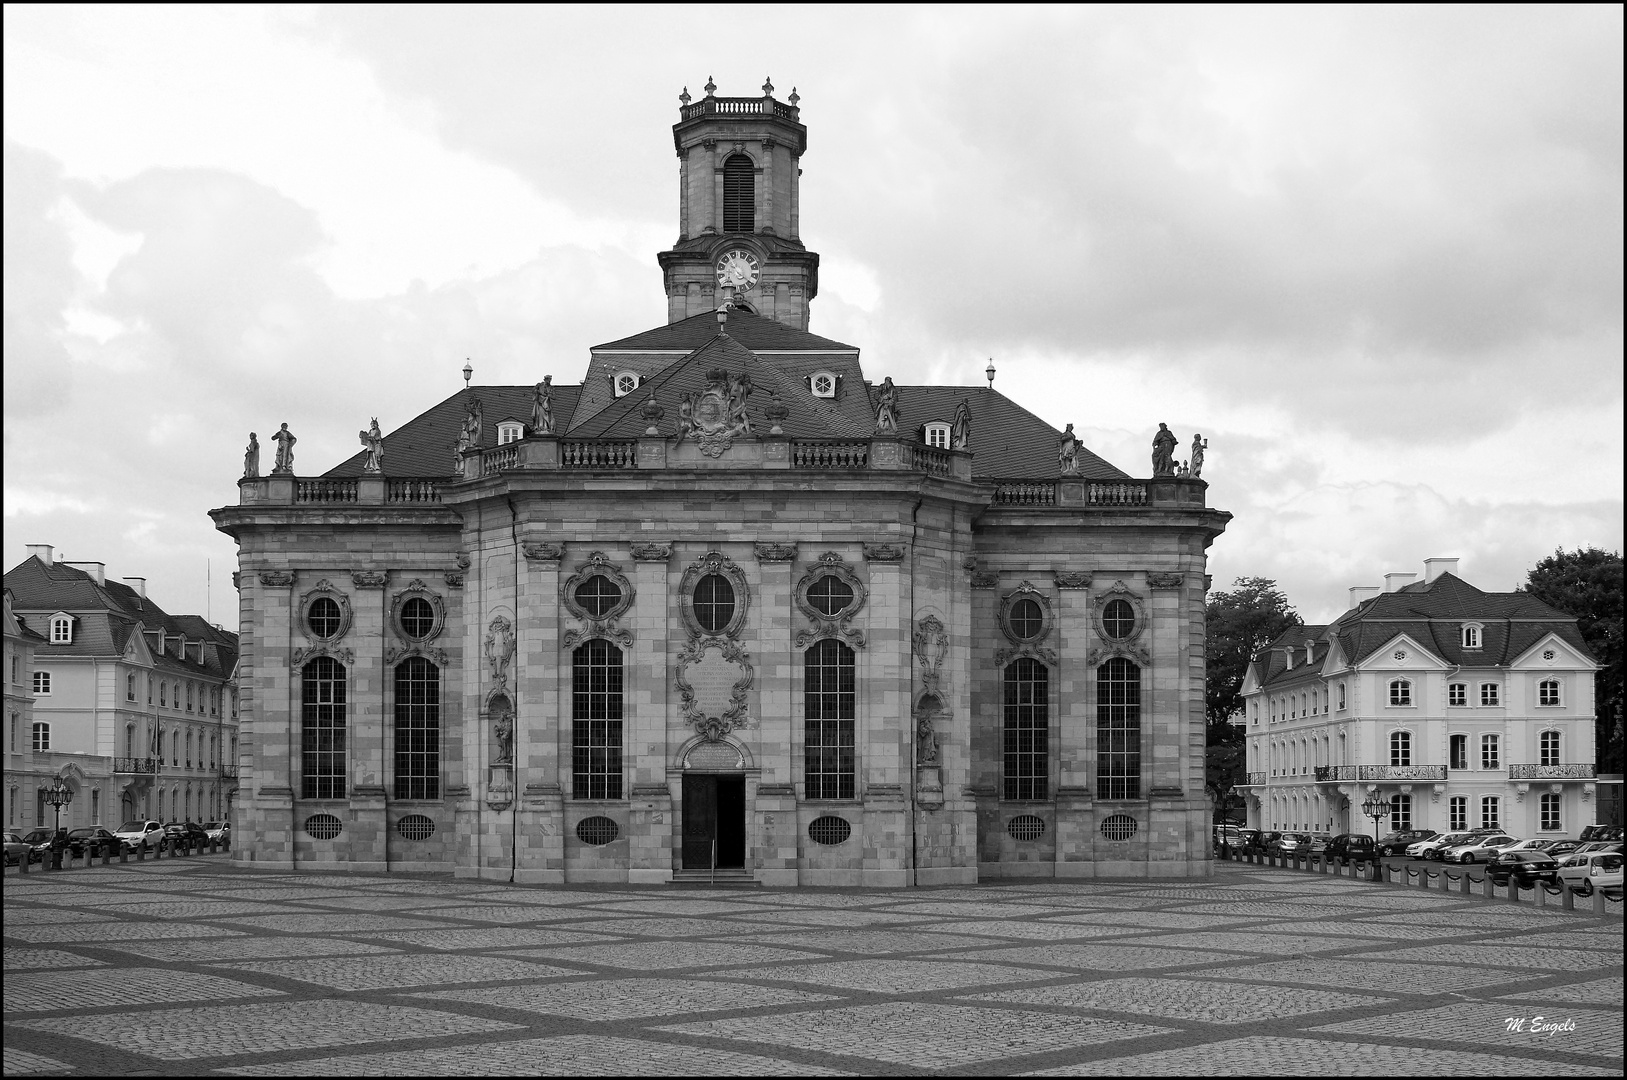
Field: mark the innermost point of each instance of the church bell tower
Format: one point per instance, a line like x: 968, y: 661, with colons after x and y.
x: 739, y: 178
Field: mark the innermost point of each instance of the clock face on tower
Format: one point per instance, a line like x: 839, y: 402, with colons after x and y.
x: 738, y: 268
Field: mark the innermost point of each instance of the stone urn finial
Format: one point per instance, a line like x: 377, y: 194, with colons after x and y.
x: 653, y: 412
x: 776, y: 413
x: 710, y: 87
x: 683, y: 98
x: 794, y: 98
x: 768, y: 86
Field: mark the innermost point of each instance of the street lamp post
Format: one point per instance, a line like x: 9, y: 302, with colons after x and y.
x: 1375, y: 807
x: 58, y: 795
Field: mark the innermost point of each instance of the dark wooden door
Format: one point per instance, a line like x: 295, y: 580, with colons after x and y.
x: 731, y: 821
x: 700, y: 821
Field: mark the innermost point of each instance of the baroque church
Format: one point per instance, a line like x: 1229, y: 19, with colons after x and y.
x: 730, y: 607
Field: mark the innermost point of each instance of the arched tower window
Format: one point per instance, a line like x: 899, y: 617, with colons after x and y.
x: 596, y: 704
x: 417, y: 729
x: 739, y: 194
x: 1118, y: 730
x: 322, y: 730
x: 1027, y: 728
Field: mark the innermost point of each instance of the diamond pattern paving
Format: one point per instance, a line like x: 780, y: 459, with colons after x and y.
x: 622, y: 999
x: 1180, y: 999
x: 389, y: 972
x: 667, y: 955
x: 1308, y: 1057
x: 895, y: 976
x: 1485, y: 1025
x: 90, y: 988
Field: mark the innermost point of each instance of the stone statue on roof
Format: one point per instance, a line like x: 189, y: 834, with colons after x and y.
x: 285, y: 450
x: 960, y: 430
x: 1199, y: 445
x: 251, y: 457
x: 887, y: 408
x: 542, y: 407
x: 1067, y: 453
x: 373, y: 440
x: 473, y: 422
x: 1163, y: 451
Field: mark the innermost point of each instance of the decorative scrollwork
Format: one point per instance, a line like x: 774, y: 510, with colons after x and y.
x: 1102, y: 654
x: 394, y: 654
x: 300, y: 657
x: 985, y: 579
x: 884, y: 552
x: 499, y: 648
x: 714, y: 562
x: 838, y: 624
x: 462, y: 559
x: 1120, y: 591
x: 454, y: 581
x: 369, y: 579
x: 1026, y: 591
x: 772, y: 552
x: 604, y: 624
x: 277, y: 579
x: 324, y: 589
x: 931, y: 644
x: 1069, y: 579
x: 710, y: 718
x: 543, y: 552
x: 1166, y: 581
x: 652, y: 552
x: 1004, y: 656
x: 420, y: 644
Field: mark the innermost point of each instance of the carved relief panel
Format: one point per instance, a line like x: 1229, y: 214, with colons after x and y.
x: 714, y: 675
x: 598, y: 594
x: 831, y: 595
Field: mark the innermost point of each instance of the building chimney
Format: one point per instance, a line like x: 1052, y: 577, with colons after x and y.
x: 137, y: 584
x: 1395, y: 582
x: 1288, y: 658
x: 1362, y: 593
x: 1434, y: 568
x: 94, y: 569
x: 42, y: 552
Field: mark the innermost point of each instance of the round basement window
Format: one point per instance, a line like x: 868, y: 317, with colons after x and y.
x: 829, y: 830
x: 1026, y: 827
x: 323, y: 826
x: 597, y: 831
x: 1118, y: 826
x: 415, y: 827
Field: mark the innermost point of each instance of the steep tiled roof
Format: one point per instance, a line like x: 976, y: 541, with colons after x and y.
x: 1007, y: 440
x: 752, y: 331
x: 809, y: 417
x: 423, y: 445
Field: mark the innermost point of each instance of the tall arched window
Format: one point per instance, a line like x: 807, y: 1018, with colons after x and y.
x: 322, y: 730
x: 1401, y: 748
x: 739, y: 194
x: 417, y: 729
x: 596, y: 704
x: 1027, y: 728
x: 1118, y: 730
x: 1549, y: 747
x: 830, y: 707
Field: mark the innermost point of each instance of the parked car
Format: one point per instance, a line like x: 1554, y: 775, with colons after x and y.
x: 1476, y: 849
x: 1606, y: 875
x: 1601, y: 832
x: 39, y: 842
x: 142, y: 834
x: 1534, y: 844
x: 1349, y: 848
x: 1246, y: 838
x: 1525, y: 868
x: 1263, y: 841
x: 95, y: 838
x: 16, y: 850
x: 189, y: 833
x: 1396, y: 843
x: 1560, y: 848
x: 1294, y: 843
x: 1431, y: 848
x: 218, y: 830
x: 1577, y: 871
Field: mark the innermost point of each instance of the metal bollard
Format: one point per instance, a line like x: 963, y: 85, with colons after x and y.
x: 141, y: 853
x: 1598, y: 901
x: 1486, y: 888
x: 1567, y: 896
x: 124, y: 853
x: 174, y: 849
x: 23, y: 860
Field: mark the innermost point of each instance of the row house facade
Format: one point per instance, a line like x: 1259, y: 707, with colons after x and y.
x: 135, y: 709
x: 1460, y: 708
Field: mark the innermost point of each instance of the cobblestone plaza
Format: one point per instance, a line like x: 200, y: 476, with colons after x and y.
x: 185, y: 967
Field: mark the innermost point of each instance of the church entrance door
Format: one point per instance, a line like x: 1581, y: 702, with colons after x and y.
x: 714, y: 820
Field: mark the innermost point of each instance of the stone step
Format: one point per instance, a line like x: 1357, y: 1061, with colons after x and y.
x: 731, y: 876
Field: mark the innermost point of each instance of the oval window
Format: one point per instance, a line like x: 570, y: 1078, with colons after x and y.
x: 415, y: 827
x: 830, y: 595
x: 324, y: 617
x: 1027, y: 620
x: 1026, y: 827
x: 829, y: 830
x: 417, y: 618
x: 323, y: 826
x: 714, y: 603
x: 598, y: 595
x: 1119, y: 619
x: 597, y: 831
x: 1118, y: 827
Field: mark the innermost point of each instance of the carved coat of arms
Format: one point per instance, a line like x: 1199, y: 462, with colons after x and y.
x: 713, y: 417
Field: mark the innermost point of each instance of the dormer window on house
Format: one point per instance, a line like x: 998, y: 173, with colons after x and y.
x: 510, y: 431
x: 822, y: 384
x: 937, y: 434
x: 739, y: 194
x: 61, y: 630
x: 1471, y: 635
x: 625, y: 382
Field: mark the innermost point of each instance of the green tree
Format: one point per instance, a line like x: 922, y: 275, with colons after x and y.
x: 1238, y: 624
x: 1588, y: 584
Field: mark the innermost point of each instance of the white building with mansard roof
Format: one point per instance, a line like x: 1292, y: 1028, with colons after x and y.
x: 1459, y: 708
x: 732, y: 604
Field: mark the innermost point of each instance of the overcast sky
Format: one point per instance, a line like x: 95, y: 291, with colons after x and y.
x: 1374, y: 255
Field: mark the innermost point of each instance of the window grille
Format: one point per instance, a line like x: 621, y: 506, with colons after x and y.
x: 324, y: 617
x: 823, y: 385
x: 1400, y: 692
x: 937, y: 435
x: 1026, y: 619
x: 597, y: 831
x: 42, y: 738
x: 322, y: 738
x: 1471, y: 637
x: 42, y: 682
x: 1118, y: 827
x: 1025, y: 827
x: 596, y: 716
x: 714, y: 602
x: 1458, y: 752
x: 1027, y: 728
x: 830, y: 708
x: 61, y: 631
x: 1118, y: 730
x: 323, y: 826
x: 829, y: 830
x: 417, y: 729
x: 739, y: 194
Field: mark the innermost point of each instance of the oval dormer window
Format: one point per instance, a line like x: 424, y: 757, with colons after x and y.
x: 625, y: 382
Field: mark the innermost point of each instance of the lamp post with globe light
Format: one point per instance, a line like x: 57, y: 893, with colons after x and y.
x: 58, y: 795
x: 1375, y: 807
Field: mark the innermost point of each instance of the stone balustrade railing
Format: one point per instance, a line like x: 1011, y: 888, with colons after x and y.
x: 728, y: 106
x: 830, y: 455
x: 325, y: 491
x: 500, y: 458
x: 930, y: 459
x: 1120, y: 493
x: 412, y: 491
x: 1025, y: 492
x: 604, y: 454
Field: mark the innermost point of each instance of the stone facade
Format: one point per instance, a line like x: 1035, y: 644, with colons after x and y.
x: 721, y: 626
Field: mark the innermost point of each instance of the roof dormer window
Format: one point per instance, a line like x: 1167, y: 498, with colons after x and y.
x: 936, y: 434
x: 1471, y: 635
x: 625, y: 382
x: 61, y: 630
x: 510, y: 431
x: 822, y: 384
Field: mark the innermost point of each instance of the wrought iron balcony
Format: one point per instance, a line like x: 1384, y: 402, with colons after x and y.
x: 1255, y: 779
x: 1336, y: 773
x: 228, y: 772
x: 135, y: 765
x: 1551, y: 772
